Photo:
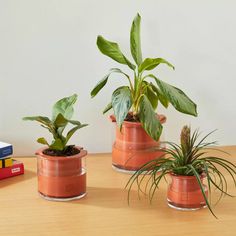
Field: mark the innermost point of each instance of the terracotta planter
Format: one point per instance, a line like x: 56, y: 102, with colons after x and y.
x: 133, y: 147
x: 184, y: 193
x: 61, y: 178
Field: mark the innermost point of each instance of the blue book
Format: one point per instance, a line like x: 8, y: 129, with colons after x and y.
x: 6, y: 149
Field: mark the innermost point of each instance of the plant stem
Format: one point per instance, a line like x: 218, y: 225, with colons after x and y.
x: 131, y: 85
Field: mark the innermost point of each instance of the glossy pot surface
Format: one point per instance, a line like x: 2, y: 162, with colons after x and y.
x: 61, y: 177
x: 184, y: 192
x: 133, y: 147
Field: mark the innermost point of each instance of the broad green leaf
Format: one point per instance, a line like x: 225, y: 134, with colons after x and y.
x: 45, y: 127
x: 177, y: 97
x: 72, y: 131
x: 152, y: 97
x: 62, y: 111
x: 164, y: 101
x: 112, y: 50
x: 151, y: 63
x: 74, y: 122
x: 135, y: 42
x: 41, y: 119
x: 42, y: 141
x: 121, y: 103
x: 57, y: 145
x: 148, y: 118
x: 107, y: 108
x: 99, y: 85
x: 58, y: 132
x: 60, y: 121
x: 103, y: 82
x: 65, y: 107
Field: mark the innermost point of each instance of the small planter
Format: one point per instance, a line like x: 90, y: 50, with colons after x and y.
x: 133, y: 147
x: 61, y: 178
x: 184, y: 193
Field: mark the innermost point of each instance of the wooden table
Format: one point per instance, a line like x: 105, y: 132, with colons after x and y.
x: 104, y: 211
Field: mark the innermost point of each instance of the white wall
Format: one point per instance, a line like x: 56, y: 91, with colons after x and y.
x: 48, y: 51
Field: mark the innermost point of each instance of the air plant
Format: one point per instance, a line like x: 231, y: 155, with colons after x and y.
x: 190, y: 158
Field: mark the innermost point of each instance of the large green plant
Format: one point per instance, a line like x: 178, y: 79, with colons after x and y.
x: 62, y: 113
x: 190, y: 158
x: 141, y: 96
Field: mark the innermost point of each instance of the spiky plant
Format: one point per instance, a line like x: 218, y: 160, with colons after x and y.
x: 190, y: 158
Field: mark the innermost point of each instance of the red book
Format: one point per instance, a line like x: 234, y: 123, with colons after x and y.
x: 16, y: 169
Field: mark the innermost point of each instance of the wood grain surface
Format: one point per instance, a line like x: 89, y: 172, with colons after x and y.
x: 104, y: 211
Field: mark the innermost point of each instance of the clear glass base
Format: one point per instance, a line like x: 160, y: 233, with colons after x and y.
x: 118, y: 169
x: 182, y: 208
x: 63, y: 199
x: 129, y: 172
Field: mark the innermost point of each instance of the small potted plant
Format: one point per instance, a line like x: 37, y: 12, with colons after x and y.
x: 193, y: 172
x: 134, y: 105
x: 61, y: 167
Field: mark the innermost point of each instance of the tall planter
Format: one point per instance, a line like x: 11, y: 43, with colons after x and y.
x: 133, y: 147
x: 184, y: 192
x: 61, y: 178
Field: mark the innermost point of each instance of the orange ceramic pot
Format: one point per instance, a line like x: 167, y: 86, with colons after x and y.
x: 61, y: 178
x: 133, y: 147
x: 184, y: 192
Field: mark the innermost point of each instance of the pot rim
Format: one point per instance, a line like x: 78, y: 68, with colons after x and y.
x: 81, y: 154
x: 161, y: 117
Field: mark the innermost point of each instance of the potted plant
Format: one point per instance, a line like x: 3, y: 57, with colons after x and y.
x: 134, y: 105
x: 60, y: 167
x: 193, y: 172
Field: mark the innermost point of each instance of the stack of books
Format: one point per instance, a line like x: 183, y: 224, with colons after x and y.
x: 8, y: 166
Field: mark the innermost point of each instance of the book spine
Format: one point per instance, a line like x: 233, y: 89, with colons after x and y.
x: 16, y: 169
x: 6, y: 162
x: 6, y: 151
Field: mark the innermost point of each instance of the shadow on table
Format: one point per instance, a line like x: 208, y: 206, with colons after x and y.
x: 104, y: 197
x: 17, y: 179
x: 117, y: 198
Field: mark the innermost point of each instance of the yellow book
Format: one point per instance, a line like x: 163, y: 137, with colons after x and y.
x: 6, y: 162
